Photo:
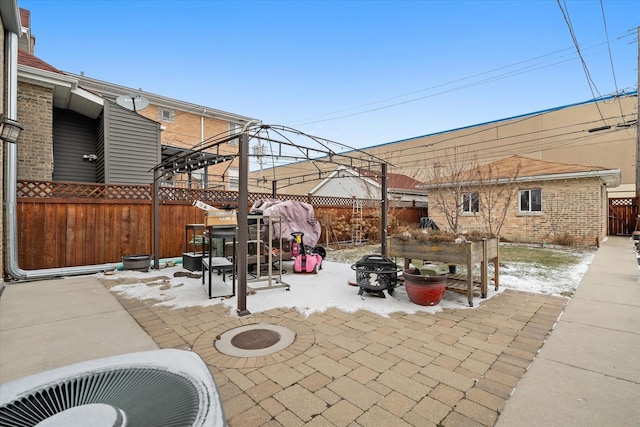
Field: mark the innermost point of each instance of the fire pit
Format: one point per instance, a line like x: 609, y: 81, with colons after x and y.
x: 374, y: 274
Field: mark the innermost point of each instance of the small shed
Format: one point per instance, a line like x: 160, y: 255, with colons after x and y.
x: 361, y: 183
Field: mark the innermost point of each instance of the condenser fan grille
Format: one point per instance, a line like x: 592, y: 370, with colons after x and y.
x: 148, y: 397
x: 143, y: 395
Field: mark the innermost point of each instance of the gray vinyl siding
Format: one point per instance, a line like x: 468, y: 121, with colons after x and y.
x: 100, y: 175
x: 132, y: 146
x: 74, y: 136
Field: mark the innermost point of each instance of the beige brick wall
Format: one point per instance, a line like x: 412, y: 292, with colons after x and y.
x: 35, y: 150
x: 187, y: 130
x: 577, y: 207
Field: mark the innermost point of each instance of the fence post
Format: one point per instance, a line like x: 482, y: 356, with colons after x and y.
x: 155, y: 189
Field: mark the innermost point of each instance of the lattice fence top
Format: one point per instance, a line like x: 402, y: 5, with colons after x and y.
x: 66, y: 190
x: 622, y: 201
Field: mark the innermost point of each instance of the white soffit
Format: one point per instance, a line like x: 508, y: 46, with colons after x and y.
x: 66, y: 93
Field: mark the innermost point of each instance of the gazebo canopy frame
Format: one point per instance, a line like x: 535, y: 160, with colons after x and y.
x: 286, y: 145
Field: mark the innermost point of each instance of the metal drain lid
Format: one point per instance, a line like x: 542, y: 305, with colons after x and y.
x: 255, y: 340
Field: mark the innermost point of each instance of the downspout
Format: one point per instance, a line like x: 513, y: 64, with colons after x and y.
x: 11, y: 182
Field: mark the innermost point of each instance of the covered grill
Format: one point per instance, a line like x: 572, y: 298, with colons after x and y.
x: 375, y: 273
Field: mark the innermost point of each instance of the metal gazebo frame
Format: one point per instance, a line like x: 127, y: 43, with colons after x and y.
x: 316, y: 150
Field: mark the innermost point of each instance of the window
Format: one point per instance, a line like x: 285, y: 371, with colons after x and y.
x: 234, y: 179
x: 166, y: 115
x: 470, y: 202
x: 234, y: 129
x: 530, y: 200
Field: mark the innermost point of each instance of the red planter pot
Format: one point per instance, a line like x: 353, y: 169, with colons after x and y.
x: 424, y: 290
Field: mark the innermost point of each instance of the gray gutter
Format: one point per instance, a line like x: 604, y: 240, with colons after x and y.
x: 11, y: 181
x: 106, y: 88
x: 10, y: 16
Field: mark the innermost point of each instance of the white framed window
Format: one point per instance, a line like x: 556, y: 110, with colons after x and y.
x: 530, y: 200
x: 234, y: 179
x: 234, y: 129
x: 166, y: 114
x: 470, y: 202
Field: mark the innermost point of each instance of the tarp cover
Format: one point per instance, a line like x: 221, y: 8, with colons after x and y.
x: 296, y: 216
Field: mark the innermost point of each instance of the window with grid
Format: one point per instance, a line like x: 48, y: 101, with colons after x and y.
x: 530, y: 200
x: 166, y: 115
x: 470, y: 202
x: 234, y: 129
x: 234, y: 179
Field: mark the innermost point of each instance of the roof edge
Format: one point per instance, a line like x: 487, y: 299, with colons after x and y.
x: 117, y: 90
x: 532, y: 114
x: 609, y: 177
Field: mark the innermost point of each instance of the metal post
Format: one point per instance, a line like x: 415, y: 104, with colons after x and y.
x: 383, y: 218
x: 638, y: 135
x: 243, y: 234
x: 274, y: 188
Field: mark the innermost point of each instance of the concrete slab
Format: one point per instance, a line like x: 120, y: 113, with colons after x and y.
x: 29, y: 303
x: 49, y: 324
x: 609, y: 292
x: 564, y: 396
x: 620, y: 317
x: 605, y: 351
x: 588, y: 372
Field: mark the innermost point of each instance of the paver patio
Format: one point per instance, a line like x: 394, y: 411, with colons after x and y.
x: 452, y: 368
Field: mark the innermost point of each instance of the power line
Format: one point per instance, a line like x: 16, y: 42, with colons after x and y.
x: 592, y: 85
x: 613, y: 71
x: 532, y: 67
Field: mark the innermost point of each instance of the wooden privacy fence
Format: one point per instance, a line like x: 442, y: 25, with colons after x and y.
x: 71, y: 224
x: 623, y: 213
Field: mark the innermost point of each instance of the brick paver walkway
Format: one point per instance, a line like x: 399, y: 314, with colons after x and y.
x: 453, y: 368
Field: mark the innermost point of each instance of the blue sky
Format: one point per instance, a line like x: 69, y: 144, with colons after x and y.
x: 360, y: 73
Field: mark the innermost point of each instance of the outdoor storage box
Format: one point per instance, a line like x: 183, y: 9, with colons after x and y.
x: 220, y: 217
x: 191, y: 261
x: 136, y: 262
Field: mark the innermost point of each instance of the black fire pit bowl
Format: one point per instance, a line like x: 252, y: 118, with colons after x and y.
x: 375, y: 273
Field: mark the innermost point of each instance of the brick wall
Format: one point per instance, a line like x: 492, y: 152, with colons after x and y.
x: 574, y: 209
x: 35, y: 149
x: 187, y: 130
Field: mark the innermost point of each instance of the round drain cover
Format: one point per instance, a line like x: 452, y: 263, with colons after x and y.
x: 255, y: 340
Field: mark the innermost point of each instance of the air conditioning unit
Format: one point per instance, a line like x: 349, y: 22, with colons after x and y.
x: 152, y: 388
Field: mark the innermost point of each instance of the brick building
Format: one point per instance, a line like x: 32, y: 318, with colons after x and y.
x: 540, y: 201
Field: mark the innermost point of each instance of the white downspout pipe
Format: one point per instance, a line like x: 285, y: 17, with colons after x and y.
x: 11, y: 182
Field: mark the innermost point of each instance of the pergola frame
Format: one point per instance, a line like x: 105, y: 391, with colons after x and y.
x: 208, y: 153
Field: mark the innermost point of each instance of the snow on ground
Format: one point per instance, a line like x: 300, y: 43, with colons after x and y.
x: 329, y: 288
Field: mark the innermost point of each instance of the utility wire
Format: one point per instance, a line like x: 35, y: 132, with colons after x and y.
x: 437, y: 86
x: 592, y: 85
x: 494, y: 151
x: 467, y: 86
x: 613, y: 71
x: 532, y: 67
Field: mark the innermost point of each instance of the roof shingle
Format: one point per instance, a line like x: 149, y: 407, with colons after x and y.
x: 525, y: 167
x: 29, y: 60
